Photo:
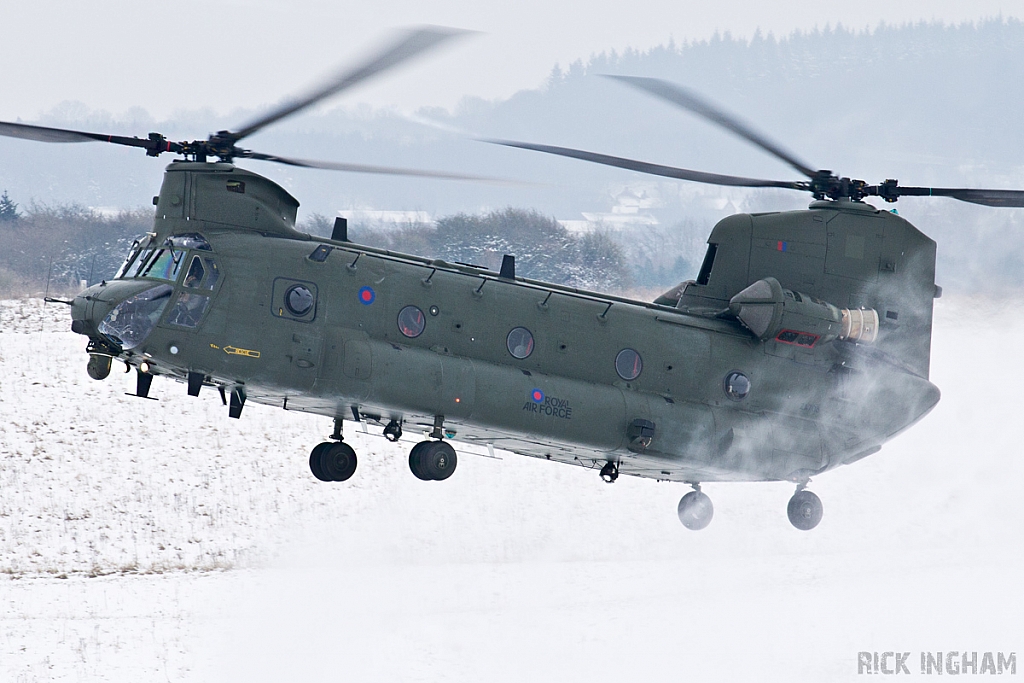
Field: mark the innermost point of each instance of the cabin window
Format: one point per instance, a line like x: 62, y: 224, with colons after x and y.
x: 299, y: 300
x: 628, y: 364
x: 519, y: 342
x: 737, y: 386
x: 411, y: 322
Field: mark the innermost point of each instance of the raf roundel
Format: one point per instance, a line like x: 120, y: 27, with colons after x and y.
x: 537, y: 396
x: 367, y: 296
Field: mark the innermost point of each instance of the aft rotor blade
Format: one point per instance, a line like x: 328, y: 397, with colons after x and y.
x: 364, y: 168
x: 408, y: 46
x: 44, y: 134
x: 998, y: 198
x: 692, y: 102
x: 655, y: 169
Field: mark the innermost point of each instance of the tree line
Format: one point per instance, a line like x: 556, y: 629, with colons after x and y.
x: 60, y: 247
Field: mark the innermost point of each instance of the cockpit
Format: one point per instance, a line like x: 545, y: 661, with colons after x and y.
x: 185, y: 274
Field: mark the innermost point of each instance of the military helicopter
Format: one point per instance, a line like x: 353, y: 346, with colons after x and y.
x: 802, y: 345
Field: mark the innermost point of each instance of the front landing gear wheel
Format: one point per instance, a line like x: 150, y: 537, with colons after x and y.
x: 338, y: 462
x: 332, y: 461
x: 610, y: 472
x: 804, y: 510
x: 314, y: 460
x: 695, y: 510
x: 432, y: 460
x: 414, y: 460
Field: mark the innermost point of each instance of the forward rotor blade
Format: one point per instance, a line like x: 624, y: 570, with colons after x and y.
x: 408, y: 46
x: 655, y: 169
x: 43, y: 134
x: 997, y: 198
x: 364, y: 168
x: 692, y: 102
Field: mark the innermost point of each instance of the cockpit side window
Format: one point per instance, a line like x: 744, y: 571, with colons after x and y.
x: 195, y: 273
x: 212, y: 273
x: 203, y: 273
x: 188, y: 309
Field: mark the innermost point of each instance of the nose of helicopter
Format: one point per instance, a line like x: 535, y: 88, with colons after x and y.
x: 119, y: 313
x: 83, y: 311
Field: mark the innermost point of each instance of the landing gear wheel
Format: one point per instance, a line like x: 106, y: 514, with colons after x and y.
x: 804, y: 510
x: 432, y: 460
x: 314, y: 460
x: 415, y: 460
x: 439, y: 460
x: 695, y: 510
x: 610, y: 472
x: 338, y: 462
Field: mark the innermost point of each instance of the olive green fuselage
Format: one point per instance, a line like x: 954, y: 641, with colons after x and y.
x: 807, y: 410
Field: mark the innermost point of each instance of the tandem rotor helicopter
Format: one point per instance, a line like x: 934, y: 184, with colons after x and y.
x: 802, y: 345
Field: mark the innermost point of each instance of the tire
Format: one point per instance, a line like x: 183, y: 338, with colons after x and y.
x: 804, y: 510
x: 695, y: 510
x: 438, y: 460
x: 338, y: 462
x: 314, y: 460
x: 416, y: 460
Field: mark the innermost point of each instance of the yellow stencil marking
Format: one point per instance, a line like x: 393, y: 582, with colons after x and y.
x: 234, y: 351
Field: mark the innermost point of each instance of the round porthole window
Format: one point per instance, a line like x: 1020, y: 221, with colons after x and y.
x: 411, y: 322
x: 737, y: 386
x: 519, y: 342
x: 628, y: 364
x: 298, y: 300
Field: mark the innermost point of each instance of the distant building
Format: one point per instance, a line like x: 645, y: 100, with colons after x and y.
x: 631, y: 210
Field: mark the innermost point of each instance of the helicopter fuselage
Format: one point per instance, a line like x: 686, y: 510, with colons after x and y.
x: 680, y: 392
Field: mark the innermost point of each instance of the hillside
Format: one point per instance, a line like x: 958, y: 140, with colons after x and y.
x: 927, y: 103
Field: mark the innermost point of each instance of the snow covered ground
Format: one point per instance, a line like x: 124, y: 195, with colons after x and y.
x: 162, y: 541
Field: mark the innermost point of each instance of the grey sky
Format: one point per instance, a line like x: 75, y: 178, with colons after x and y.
x: 223, y: 54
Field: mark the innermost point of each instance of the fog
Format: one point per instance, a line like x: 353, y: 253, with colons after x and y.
x: 926, y: 103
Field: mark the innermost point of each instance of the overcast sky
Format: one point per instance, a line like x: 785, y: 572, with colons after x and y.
x: 115, y: 54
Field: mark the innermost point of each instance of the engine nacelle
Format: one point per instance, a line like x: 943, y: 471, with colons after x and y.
x: 771, y: 312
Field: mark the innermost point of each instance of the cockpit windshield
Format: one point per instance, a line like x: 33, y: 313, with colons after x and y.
x: 134, y: 258
x: 166, y: 261
x: 164, y: 264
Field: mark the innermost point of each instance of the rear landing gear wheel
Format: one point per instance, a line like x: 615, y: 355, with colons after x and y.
x: 695, y: 510
x: 804, y: 510
x: 432, y: 460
